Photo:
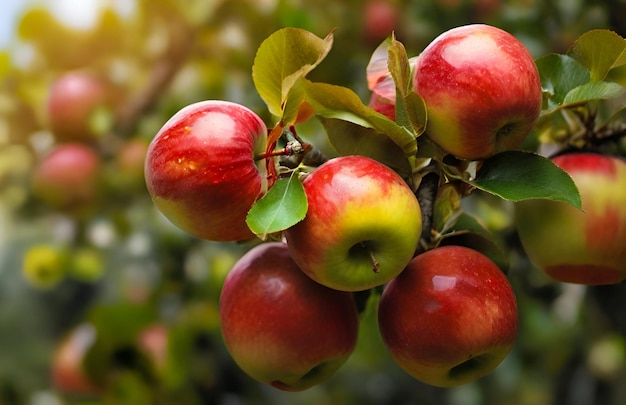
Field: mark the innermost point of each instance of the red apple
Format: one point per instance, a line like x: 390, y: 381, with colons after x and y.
x: 67, y: 369
x: 201, y: 171
x: 380, y: 18
x: 362, y: 226
x: 583, y: 247
x: 481, y: 88
x: 68, y: 178
x: 450, y: 317
x: 281, y: 327
x: 73, y: 101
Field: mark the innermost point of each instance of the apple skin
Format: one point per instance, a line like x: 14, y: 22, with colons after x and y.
x: 68, y: 178
x: 450, y: 317
x: 67, y: 369
x: 481, y: 88
x: 574, y: 246
x: 281, y: 327
x: 200, y: 169
x: 358, y: 207
x: 72, y: 100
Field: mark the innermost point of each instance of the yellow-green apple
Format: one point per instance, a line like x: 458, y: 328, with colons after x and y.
x: 481, y: 88
x: 68, y: 371
x: 201, y: 171
x: 281, y: 327
x: 74, y: 100
x: 582, y: 247
x: 450, y: 317
x: 362, y: 226
x: 68, y: 178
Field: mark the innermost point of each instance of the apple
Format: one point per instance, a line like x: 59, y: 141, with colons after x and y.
x: 68, y: 178
x: 362, y: 226
x: 450, y: 317
x: 201, y: 172
x: 73, y: 101
x: 380, y: 18
x: 481, y: 88
x: 574, y: 246
x: 67, y: 369
x: 281, y: 327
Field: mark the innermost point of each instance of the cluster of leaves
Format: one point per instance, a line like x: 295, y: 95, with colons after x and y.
x: 573, y: 82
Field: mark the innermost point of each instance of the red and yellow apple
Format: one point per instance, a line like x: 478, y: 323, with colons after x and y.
x: 362, y: 226
x: 450, y: 317
x: 201, y: 172
x: 481, y: 88
x: 281, y: 327
x: 68, y: 178
x: 574, y: 246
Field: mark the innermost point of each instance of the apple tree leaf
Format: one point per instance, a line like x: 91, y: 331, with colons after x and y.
x: 469, y: 232
x: 410, y: 107
x: 559, y: 75
x: 284, y: 205
x: 351, y: 139
x: 599, y: 50
x: 520, y: 175
x: 338, y: 102
x: 282, y: 59
x: 594, y: 91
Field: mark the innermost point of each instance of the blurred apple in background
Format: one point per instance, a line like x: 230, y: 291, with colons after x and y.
x: 201, y: 172
x: 362, y: 226
x: 481, y: 89
x: 68, y: 178
x: 281, y: 327
x: 67, y: 368
x: 80, y: 106
x: 450, y: 317
x: 583, y: 247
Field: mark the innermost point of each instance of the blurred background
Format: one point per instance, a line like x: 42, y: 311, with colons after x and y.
x: 86, y: 262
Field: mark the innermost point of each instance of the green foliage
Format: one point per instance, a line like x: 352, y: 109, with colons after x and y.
x: 519, y: 176
x: 283, y: 206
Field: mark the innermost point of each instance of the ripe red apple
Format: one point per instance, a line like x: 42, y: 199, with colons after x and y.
x: 362, y: 226
x: 281, y: 327
x: 583, y: 247
x: 450, y: 317
x: 482, y: 90
x: 73, y: 100
x: 67, y: 370
x: 201, y: 172
x: 68, y: 178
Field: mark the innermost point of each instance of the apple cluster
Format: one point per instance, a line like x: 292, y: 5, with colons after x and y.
x: 287, y: 308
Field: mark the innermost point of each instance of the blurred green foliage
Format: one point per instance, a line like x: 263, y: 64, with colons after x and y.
x: 132, y: 269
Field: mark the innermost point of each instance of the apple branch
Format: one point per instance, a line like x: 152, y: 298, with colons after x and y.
x: 426, y: 194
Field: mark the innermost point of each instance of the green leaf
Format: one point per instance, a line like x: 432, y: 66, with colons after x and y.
x: 284, y: 205
x: 469, y: 232
x: 518, y: 175
x: 282, y: 59
x: 559, y: 75
x: 337, y: 102
x: 399, y: 67
x: 599, y: 51
x: 351, y: 139
x: 594, y: 91
x: 410, y: 107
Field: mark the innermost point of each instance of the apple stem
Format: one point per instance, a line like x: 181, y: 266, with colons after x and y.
x: 375, y: 264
